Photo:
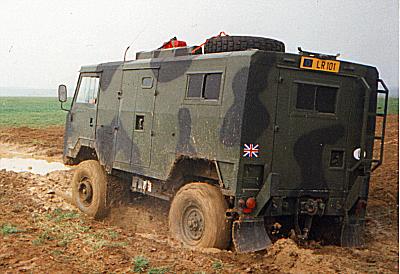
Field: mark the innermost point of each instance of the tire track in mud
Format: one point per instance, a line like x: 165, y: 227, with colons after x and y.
x: 143, y: 215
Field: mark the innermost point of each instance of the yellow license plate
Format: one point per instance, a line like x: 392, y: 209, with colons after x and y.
x: 319, y: 64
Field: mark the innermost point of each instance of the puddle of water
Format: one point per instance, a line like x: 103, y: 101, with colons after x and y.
x: 41, y: 167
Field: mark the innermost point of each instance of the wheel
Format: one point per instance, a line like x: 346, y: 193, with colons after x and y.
x: 89, y: 189
x: 197, y: 217
x: 236, y: 43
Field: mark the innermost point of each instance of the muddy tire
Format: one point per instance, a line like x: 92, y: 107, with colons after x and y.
x: 89, y: 189
x: 237, y: 43
x: 197, y: 217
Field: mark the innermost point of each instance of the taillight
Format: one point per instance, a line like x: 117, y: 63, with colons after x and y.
x: 251, y: 203
x: 247, y: 206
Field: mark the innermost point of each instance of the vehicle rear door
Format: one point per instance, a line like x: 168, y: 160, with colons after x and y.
x: 311, y: 130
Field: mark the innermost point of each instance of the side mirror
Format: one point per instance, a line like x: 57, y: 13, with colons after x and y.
x: 62, y: 93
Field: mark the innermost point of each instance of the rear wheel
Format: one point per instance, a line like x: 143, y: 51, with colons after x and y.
x: 89, y: 189
x: 197, y: 216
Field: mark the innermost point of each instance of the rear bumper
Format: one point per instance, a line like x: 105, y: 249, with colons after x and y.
x: 281, y: 206
x: 272, y: 201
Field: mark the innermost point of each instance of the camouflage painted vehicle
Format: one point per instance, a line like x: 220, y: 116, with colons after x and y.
x: 249, y: 143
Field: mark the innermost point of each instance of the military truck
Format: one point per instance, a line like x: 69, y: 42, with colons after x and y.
x: 248, y: 143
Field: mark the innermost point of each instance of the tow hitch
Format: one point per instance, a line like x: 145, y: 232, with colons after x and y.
x: 308, y: 208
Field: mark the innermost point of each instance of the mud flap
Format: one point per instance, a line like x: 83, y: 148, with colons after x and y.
x: 249, y: 235
x: 352, y: 234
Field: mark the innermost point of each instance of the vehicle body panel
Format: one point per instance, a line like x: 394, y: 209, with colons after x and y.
x: 302, y: 153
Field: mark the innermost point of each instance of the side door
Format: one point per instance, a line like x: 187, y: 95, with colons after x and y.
x: 144, y: 116
x: 125, y: 123
x: 311, y: 131
x: 84, y: 109
x: 135, y: 120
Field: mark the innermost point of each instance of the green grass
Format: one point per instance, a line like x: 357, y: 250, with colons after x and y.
x: 393, y: 105
x: 159, y: 270
x: 31, y: 111
x: 45, y: 111
x: 217, y: 265
x: 140, y: 264
x: 7, y: 229
x: 64, y: 227
x: 58, y: 215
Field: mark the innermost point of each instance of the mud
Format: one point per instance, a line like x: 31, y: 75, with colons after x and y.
x: 41, y: 142
x: 40, y: 232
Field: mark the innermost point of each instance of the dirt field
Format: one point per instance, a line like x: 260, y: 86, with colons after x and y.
x: 41, y: 232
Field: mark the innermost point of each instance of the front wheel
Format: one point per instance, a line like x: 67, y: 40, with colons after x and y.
x: 197, y: 216
x: 89, y: 189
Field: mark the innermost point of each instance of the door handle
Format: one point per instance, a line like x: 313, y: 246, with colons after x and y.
x: 91, y: 122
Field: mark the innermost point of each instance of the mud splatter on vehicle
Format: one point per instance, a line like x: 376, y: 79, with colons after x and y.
x: 239, y: 139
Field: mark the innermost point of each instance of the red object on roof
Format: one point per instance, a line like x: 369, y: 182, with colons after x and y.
x: 173, y: 43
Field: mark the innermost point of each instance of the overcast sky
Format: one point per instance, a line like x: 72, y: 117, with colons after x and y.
x: 44, y: 43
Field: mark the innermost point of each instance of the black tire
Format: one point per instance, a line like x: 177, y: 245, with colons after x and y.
x: 237, y: 43
x: 89, y: 189
x: 197, y: 217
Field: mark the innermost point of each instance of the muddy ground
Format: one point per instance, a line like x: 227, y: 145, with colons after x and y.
x: 40, y: 232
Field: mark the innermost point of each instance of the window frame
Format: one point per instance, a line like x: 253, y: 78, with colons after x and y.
x: 144, y: 86
x: 202, y: 100
x: 137, y: 115
x: 81, y: 76
x: 329, y: 151
x: 308, y: 112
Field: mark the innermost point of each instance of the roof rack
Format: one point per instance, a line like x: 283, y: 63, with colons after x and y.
x: 318, y: 55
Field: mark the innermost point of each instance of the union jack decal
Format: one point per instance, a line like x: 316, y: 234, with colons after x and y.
x: 250, y: 150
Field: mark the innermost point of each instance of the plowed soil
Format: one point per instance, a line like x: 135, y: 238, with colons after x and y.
x: 40, y: 232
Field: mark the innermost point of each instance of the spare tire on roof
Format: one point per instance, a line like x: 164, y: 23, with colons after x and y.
x: 237, y: 43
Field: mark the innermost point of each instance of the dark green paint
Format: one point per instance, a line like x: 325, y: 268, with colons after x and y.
x: 257, y: 104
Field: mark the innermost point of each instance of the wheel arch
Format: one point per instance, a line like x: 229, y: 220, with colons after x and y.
x: 187, y: 170
x: 81, y: 152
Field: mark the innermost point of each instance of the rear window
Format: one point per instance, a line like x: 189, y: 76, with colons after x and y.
x: 316, y: 98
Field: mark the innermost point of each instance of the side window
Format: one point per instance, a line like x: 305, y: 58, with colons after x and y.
x: 204, y: 86
x: 88, y: 89
x: 147, y: 82
x: 316, y: 98
x: 195, y: 85
x: 212, y: 86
